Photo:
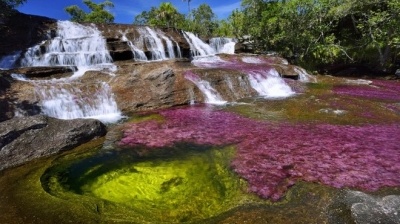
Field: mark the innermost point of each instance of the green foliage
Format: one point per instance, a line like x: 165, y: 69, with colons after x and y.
x: 323, y: 31
x: 7, y: 7
x: 203, y: 21
x: 165, y: 15
x: 98, y: 13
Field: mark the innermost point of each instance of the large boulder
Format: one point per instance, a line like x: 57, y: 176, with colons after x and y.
x: 21, y: 31
x: 23, y: 139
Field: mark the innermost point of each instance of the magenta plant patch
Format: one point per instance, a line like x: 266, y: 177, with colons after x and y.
x: 380, y: 89
x: 272, y: 157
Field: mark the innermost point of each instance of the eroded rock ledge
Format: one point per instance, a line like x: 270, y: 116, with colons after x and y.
x: 23, y: 139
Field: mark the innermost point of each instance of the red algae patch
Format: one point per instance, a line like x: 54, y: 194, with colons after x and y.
x: 272, y: 157
x: 379, y: 89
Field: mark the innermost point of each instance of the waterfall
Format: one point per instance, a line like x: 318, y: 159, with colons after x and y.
x: 153, y: 43
x: 269, y: 84
x: 223, y: 45
x: 304, y: 76
x: 138, y: 54
x: 170, y: 46
x: 8, y: 61
x: 70, y: 99
x: 75, y: 45
x: 212, y: 96
x: 230, y: 86
x: 197, y: 46
x: 178, y: 49
x: 67, y: 98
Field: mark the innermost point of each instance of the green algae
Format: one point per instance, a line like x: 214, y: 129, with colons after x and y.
x: 191, y: 185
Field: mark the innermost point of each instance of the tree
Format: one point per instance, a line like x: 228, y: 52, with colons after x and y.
x: 98, y: 12
x: 204, y: 21
x: 144, y: 17
x: 236, y: 21
x: 165, y: 15
x: 7, y: 6
x: 325, y: 31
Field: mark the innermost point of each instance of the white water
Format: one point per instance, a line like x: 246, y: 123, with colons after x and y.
x: 304, y: 76
x: 211, y: 95
x: 85, y: 48
x: 69, y: 101
x: 210, y: 61
x: 197, y: 46
x: 223, y: 45
x: 270, y: 84
x: 252, y: 60
x: 75, y: 45
x: 153, y: 43
x: 170, y: 46
x: 8, y: 61
x: 178, y: 50
x: 138, y: 54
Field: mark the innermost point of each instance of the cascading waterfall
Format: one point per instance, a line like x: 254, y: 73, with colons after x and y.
x: 69, y: 101
x: 269, y: 84
x: 178, y: 49
x: 212, y: 96
x: 85, y: 48
x: 223, y: 45
x: 138, y: 54
x: 170, y: 46
x: 153, y: 43
x: 73, y: 99
x: 74, y: 45
x: 197, y: 46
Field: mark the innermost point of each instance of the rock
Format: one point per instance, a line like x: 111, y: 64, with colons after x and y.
x: 5, y: 111
x: 287, y: 71
x: 23, y: 139
x: 139, y: 87
x: 119, y: 50
x: 397, y: 73
x: 22, y: 31
x: 43, y: 71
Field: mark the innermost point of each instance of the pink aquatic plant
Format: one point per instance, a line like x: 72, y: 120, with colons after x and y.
x: 272, y: 157
x: 379, y: 89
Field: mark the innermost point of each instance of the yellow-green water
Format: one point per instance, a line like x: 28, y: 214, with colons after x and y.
x: 191, y: 185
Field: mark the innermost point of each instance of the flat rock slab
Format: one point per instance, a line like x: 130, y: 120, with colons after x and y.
x: 42, y: 71
x: 23, y: 139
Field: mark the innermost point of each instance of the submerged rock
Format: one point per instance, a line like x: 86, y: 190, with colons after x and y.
x: 23, y: 139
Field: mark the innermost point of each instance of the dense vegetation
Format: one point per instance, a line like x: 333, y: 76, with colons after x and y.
x: 98, y: 13
x: 326, y: 31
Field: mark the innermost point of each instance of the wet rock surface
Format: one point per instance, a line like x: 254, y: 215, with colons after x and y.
x: 26, y: 138
x: 42, y: 72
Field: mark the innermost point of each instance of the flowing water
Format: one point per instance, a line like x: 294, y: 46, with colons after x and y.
x: 197, y: 46
x: 9, y: 61
x: 84, y: 48
x: 138, y: 54
x: 223, y: 45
